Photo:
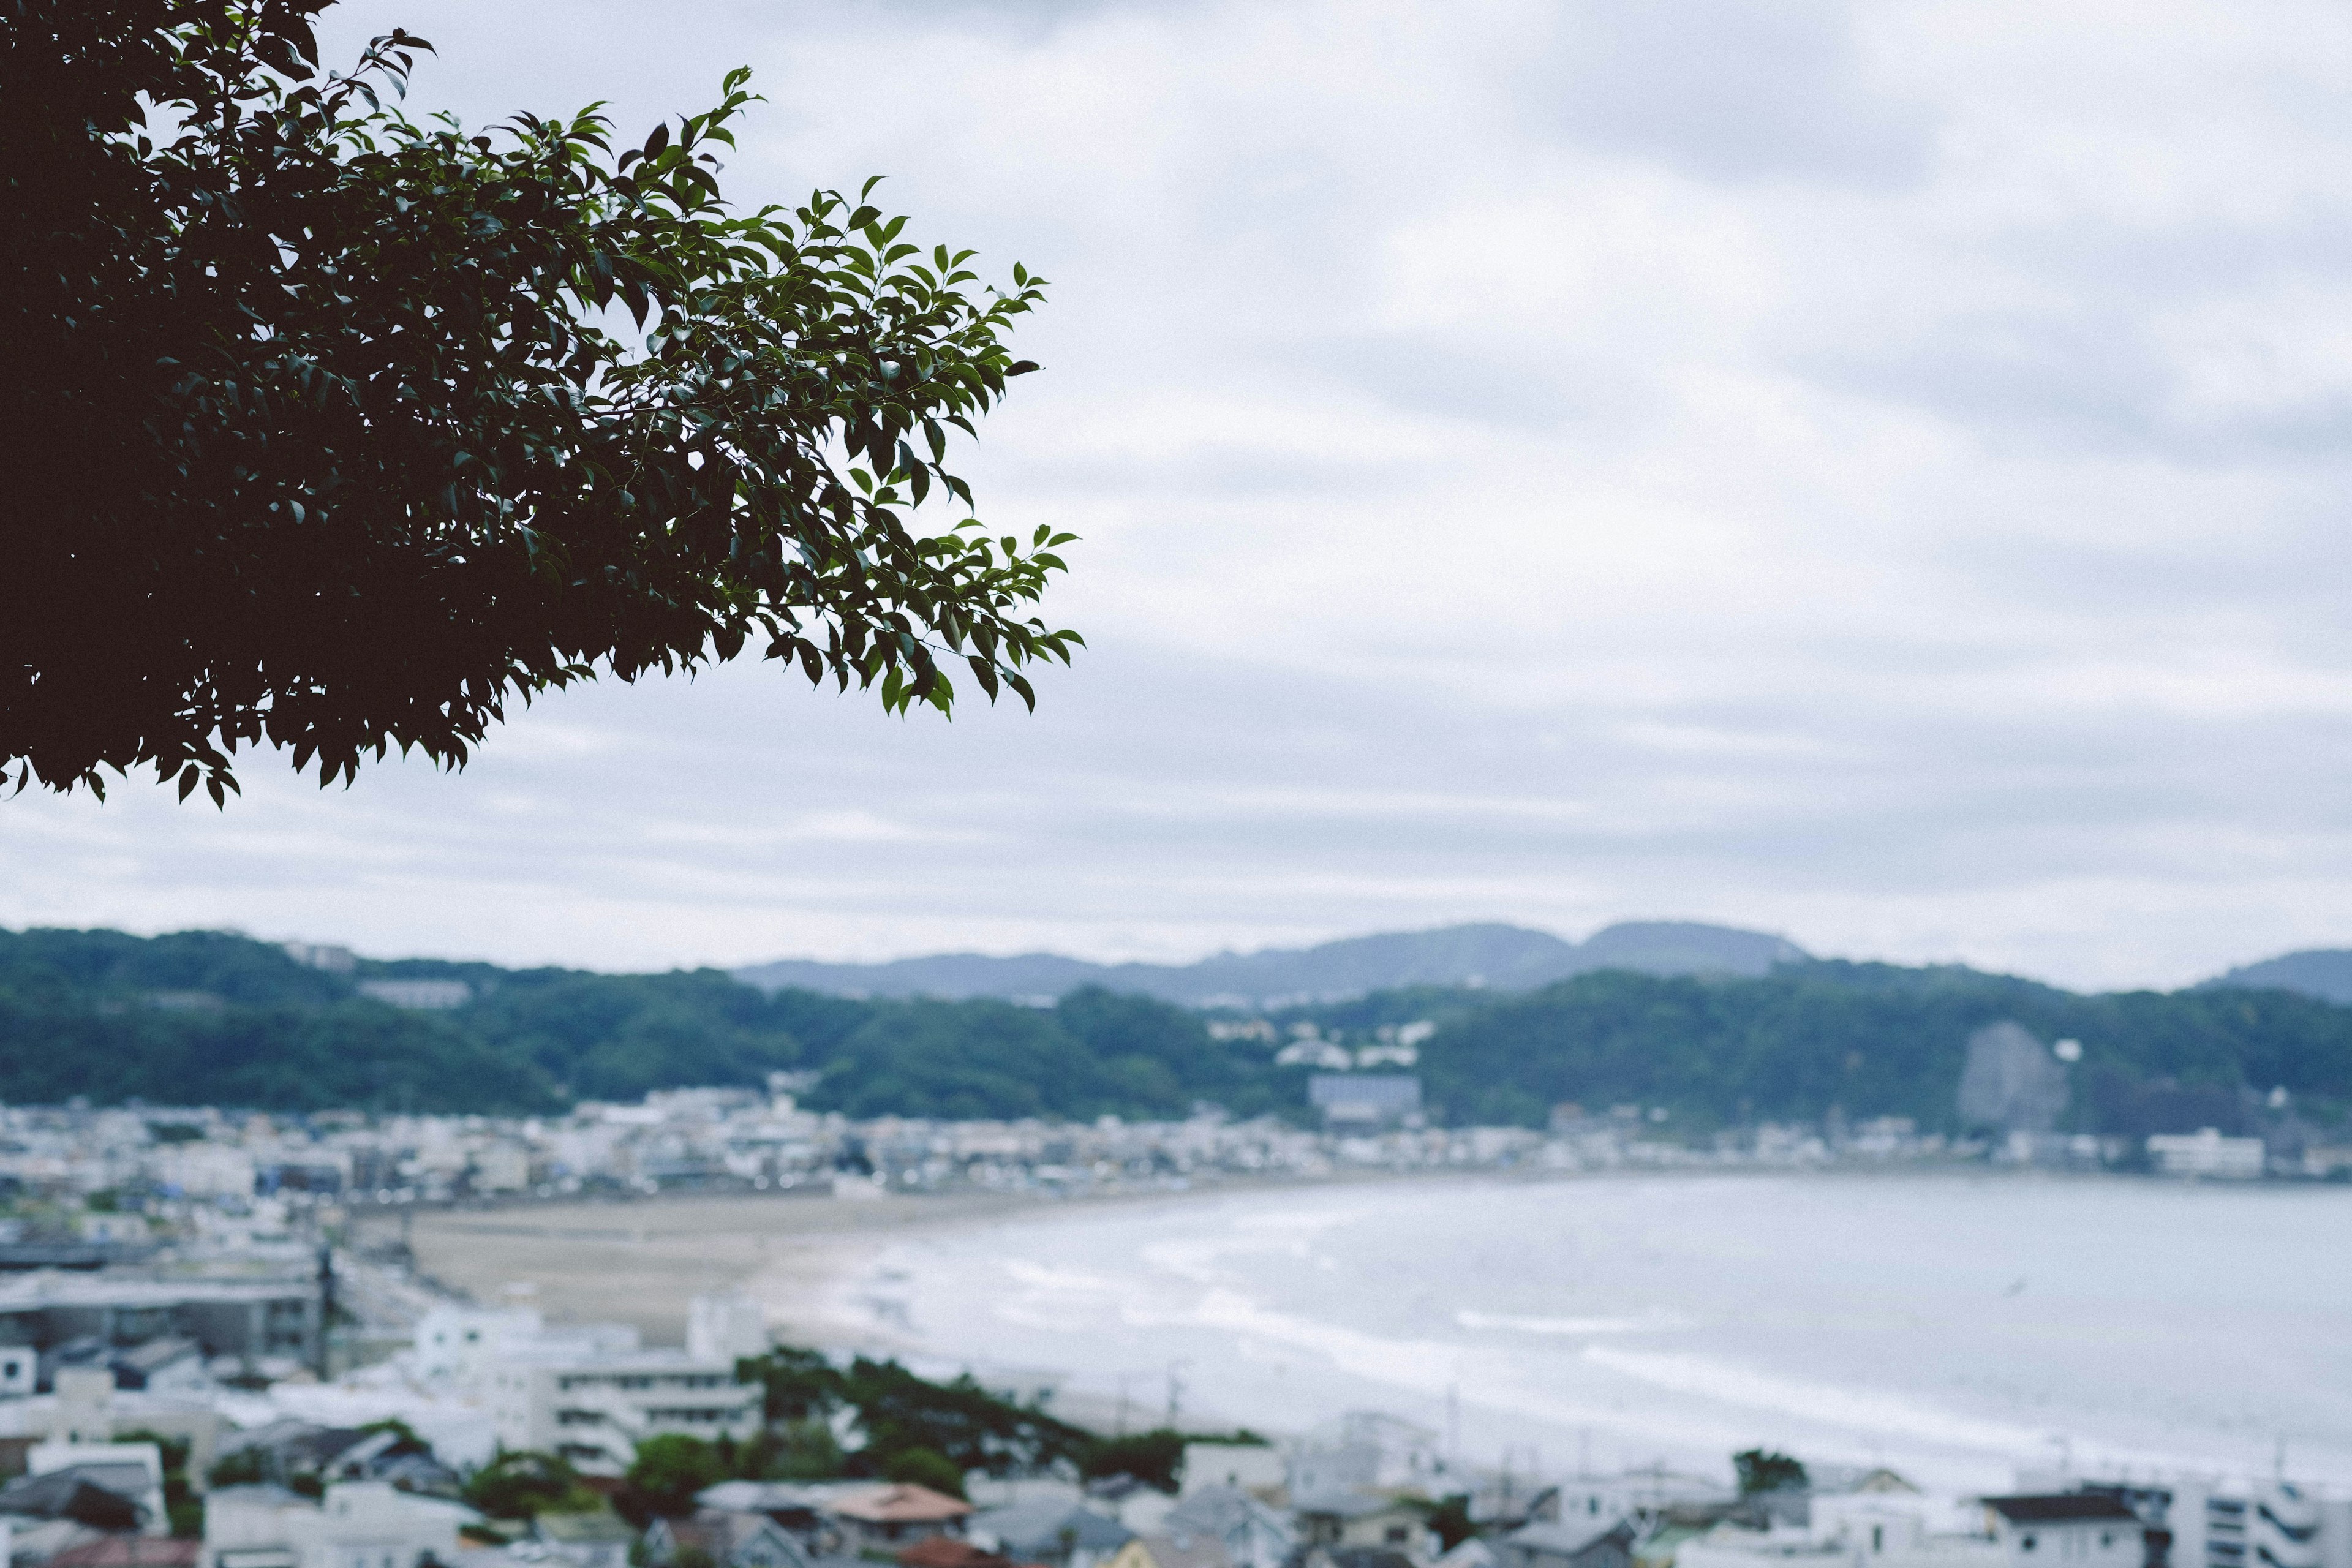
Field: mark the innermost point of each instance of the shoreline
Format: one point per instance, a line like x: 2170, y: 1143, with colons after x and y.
x: 807, y: 1257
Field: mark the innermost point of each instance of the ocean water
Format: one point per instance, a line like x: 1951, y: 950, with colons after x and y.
x: 1956, y: 1327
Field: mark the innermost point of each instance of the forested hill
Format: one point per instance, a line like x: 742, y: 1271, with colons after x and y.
x: 207, y: 1017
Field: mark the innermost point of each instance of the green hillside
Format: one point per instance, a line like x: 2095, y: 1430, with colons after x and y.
x: 208, y: 1017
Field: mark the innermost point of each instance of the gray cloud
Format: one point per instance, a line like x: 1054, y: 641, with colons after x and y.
x: 1870, y: 472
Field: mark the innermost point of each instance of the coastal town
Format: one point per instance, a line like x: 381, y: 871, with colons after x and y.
x: 212, y: 1357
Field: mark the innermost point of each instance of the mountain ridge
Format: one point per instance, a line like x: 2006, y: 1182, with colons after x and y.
x: 1488, y: 954
x: 2322, y: 973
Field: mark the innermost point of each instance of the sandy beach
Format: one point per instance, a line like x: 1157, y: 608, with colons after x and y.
x: 806, y: 1260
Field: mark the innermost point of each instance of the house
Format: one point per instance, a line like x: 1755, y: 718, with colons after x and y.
x: 133, y: 1470
x: 1138, y: 1506
x: 803, y: 1508
x: 87, y: 1408
x: 1644, y: 1495
x: 896, y: 1516
x: 597, y: 1539
x: 1245, y: 1467
x: 43, y: 1515
x: 1051, y: 1531
x: 1171, y: 1550
x: 946, y: 1551
x: 725, y: 1539
x: 129, y: 1551
x: 1570, y: 1543
x: 358, y: 1525
x: 166, y: 1364
x: 2075, y: 1529
x: 1367, y: 1448
x: 1368, y: 1519
x: 1745, y: 1541
x: 1254, y: 1535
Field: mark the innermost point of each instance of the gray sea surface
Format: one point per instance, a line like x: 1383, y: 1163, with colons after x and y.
x: 1959, y: 1327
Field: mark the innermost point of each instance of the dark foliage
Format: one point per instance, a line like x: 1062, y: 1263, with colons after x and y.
x: 669, y: 1469
x: 1155, y: 1457
x: 798, y: 1384
x: 182, y: 1508
x: 1449, y: 1517
x: 330, y: 447
x: 959, y: 1421
x: 923, y: 1467
x: 1764, y: 1471
x: 205, y: 1017
x: 1873, y: 1040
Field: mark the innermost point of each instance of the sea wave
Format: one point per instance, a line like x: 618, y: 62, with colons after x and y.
x: 1656, y: 1322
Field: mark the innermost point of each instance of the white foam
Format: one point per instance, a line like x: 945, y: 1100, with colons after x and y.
x: 1656, y: 1322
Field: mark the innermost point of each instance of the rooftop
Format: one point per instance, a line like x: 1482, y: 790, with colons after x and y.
x: 905, y: 1503
x: 2060, y: 1508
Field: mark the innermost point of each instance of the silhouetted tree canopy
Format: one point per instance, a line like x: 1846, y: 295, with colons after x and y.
x: 325, y: 430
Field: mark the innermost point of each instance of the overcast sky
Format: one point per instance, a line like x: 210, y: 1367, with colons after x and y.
x: 1874, y: 473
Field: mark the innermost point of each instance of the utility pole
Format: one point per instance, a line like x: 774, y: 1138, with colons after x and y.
x: 326, y: 1306
x: 1175, y: 1390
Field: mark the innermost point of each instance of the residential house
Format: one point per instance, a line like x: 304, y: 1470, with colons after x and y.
x: 1744, y: 1540
x: 803, y: 1508
x: 597, y: 1538
x: 129, y: 1551
x: 134, y: 1470
x: 41, y: 1516
x: 1052, y: 1530
x: 1642, y: 1495
x: 358, y: 1525
x: 1570, y: 1543
x: 1254, y: 1535
x: 1171, y: 1550
x: 1366, y: 1448
x: 87, y: 1408
x: 724, y: 1539
x: 1246, y: 1467
x: 895, y: 1516
x: 946, y: 1551
x: 1367, y: 1519
x: 2066, y: 1530
x: 1137, y: 1505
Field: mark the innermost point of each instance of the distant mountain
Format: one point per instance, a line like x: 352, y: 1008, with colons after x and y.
x: 1502, y: 957
x: 2325, y: 973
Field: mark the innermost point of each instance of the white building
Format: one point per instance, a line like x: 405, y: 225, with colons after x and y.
x: 2206, y: 1153
x: 1244, y: 1466
x: 1641, y: 1495
x: 596, y: 1408
x: 360, y: 1524
x: 20, y: 1369
x: 2267, y: 1524
x: 456, y: 1344
x: 2066, y: 1530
